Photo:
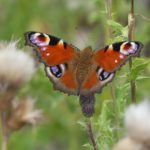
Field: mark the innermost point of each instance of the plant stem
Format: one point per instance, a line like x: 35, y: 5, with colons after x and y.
x: 109, y: 15
x: 131, y: 23
x: 110, y: 36
x: 5, y: 135
x: 90, y: 134
x: 112, y: 86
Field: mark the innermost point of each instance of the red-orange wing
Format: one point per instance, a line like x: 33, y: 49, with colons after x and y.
x: 112, y: 57
x: 58, y: 57
x: 107, y: 61
x: 50, y: 49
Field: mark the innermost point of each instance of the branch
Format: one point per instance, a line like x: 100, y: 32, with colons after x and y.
x: 90, y: 134
x: 131, y: 24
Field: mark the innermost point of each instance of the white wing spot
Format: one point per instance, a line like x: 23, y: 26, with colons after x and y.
x: 36, y: 34
x: 47, y: 54
x: 61, y: 42
x: 43, y: 48
x: 121, y: 56
x: 122, y: 49
x: 116, y: 61
x: 133, y: 48
x: 110, y: 46
x: 47, y: 38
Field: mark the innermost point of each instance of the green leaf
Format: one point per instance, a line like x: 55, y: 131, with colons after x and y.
x: 82, y: 123
x: 87, y: 145
x: 115, y: 25
x: 142, y: 78
x: 119, y: 31
x: 139, y: 65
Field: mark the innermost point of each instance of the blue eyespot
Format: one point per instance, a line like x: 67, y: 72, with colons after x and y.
x: 56, y: 71
x: 103, y: 75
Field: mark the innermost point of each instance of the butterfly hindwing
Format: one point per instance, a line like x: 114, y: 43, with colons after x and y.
x: 113, y: 56
x: 58, y: 57
x: 96, y: 80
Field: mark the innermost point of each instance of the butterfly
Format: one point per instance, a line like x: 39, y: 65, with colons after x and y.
x: 80, y: 72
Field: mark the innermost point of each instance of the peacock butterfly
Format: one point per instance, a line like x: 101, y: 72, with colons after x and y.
x: 76, y: 72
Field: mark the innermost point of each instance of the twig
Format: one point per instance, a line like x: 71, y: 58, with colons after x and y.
x: 131, y: 23
x: 90, y: 134
x: 5, y: 135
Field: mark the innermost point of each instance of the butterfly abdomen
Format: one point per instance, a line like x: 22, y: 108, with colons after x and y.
x: 87, y: 103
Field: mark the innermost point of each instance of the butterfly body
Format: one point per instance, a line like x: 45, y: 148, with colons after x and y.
x: 82, y: 72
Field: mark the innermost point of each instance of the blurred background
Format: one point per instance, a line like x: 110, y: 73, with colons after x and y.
x: 82, y: 23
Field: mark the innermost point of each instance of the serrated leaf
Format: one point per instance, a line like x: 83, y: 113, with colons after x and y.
x: 82, y: 123
x: 87, y: 145
x: 124, y: 32
x: 122, y: 92
x: 142, y: 78
x: 115, y: 25
x: 104, y: 112
x: 138, y: 66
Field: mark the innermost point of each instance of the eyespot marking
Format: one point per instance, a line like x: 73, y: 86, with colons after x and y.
x: 128, y: 48
x: 39, y: 39
x: 102, y: 74
x: 55, y: 71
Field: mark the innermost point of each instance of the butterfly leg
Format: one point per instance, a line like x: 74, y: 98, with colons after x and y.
x: 87, y: 103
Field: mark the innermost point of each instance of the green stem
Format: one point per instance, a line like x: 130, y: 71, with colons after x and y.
x: 110, y: 36
x: 112, y: 86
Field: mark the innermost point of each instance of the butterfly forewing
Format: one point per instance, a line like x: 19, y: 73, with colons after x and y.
x: 112, y: 57
x: 52, y: 50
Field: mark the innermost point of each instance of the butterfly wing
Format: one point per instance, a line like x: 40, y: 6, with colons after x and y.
x: 107, y: 61
x: 59, y: 59
x: 114, y: 56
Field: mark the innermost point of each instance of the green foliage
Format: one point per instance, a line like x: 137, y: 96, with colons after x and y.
x: 119, y: 31
x: 138, y: 66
